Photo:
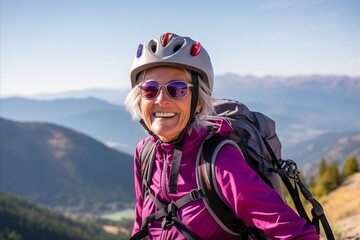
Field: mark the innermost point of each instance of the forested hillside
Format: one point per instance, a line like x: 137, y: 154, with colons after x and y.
x: 22, y: 220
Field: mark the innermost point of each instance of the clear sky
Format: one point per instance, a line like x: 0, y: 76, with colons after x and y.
x: 58, y: 45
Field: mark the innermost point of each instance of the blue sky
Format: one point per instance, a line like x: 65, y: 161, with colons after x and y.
x: 59, y: 45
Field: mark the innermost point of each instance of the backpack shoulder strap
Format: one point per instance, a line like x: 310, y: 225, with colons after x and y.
x: 207, y: 182
x: 147, y: 158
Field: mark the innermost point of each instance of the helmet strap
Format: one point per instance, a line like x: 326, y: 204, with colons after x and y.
x: 146, y: 128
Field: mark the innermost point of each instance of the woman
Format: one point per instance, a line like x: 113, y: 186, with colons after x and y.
x: 172, y: 80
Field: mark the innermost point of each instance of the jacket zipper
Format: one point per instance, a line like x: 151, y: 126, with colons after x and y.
x: 163, y: 186
x: 164, y: 181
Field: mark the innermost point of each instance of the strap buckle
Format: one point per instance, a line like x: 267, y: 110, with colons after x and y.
x: 196, y: 194
x: 168, y: 222
x: 288, y: 168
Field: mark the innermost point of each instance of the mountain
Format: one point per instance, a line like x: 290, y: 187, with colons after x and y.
x: 50, y: 110
x: 106, y: 122
x: 333, y: 146
x: 233, y: 83
x: 303, y: 107
x: 115, y: 127
x: 310, y: 82
x: 320, y: 102
x: 61, y: 168
x: 21, y: 219
x: 114, y: 96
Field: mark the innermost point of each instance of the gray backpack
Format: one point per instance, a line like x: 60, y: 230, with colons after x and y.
x: 254, y: 133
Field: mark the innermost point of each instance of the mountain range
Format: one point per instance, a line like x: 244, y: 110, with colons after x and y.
x: 303, y: 107
x: 63, y: 169
x: 77, y: 152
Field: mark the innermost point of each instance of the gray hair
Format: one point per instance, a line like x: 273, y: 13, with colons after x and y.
x: 132, y: 102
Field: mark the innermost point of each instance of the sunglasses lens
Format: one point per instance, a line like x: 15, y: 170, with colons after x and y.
x: 149, y: 90
x: 177, y: 89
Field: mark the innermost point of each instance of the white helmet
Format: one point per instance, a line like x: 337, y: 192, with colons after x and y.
x: 172, y: 50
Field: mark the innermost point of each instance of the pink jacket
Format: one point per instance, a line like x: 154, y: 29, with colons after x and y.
x: 242, y: 189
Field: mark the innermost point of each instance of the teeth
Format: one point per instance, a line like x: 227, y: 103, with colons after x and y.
x: 164, y: 114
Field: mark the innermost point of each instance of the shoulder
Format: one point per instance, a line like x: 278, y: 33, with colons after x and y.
x: 223, y: 147
x: 228, y: 157
x: 141, y: 144
x: 230, y: 151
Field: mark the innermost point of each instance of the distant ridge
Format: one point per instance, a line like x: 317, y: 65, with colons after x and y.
x: 333, y: 147
x: 314, y: 82
x: 224, y: 81
x: 303, y: 107
x: 115, y: 96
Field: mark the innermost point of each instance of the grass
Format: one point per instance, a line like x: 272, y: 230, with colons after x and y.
x: 342, y: 205
x: 118, y: 216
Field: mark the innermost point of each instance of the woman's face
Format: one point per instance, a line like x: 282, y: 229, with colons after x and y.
x: 166, y: 116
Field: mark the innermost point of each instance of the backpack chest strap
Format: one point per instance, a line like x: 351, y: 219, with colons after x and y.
x: 169, y: 215
x: 170, y: 209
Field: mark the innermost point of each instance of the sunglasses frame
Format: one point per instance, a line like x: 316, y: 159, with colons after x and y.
x: 188, y: 85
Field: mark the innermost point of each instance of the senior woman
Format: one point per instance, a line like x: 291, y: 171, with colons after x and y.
x: 172, y: 81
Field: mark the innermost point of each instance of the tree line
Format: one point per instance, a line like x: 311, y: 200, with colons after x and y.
x: 330, y: 175
x: 22, y: 220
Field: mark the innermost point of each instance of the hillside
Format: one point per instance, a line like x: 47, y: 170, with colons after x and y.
x: 342, y: 207
x: 333, y: 146
x: 62, y: 168
x: 23, y: 220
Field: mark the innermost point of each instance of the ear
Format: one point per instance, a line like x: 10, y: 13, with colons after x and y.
x: 139, y: 106
x: 198, y: 108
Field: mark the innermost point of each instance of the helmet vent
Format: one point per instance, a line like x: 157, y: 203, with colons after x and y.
x: 176, y: 48
x: 139, y: 51
x: 153, y: 46
x: 178, y: 45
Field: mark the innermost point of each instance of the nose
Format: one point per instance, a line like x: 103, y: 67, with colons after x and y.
x: 163, y: 96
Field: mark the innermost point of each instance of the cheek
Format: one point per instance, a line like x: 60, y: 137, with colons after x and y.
x: 185, y: 114
x: 145, y: 111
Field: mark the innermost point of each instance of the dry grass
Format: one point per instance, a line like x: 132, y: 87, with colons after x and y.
x: 342, y: 208
x: 115, y: 230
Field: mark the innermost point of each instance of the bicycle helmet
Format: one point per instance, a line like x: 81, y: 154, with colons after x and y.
x: 170, y: 49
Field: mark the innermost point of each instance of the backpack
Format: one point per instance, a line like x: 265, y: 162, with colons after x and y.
x: 254, y: 133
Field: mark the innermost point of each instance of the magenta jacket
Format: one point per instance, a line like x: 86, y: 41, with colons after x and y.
x: 242, y: 189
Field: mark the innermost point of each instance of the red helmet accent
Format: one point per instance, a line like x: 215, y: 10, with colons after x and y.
x: 196, y: 48
x: 165, y: 39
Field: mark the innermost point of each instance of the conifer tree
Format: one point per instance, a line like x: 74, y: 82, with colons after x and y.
x: 322, y: 166
x: 311, y: 182
x: 350, y: 167
x: 328, y: 178
x: 319, y: 188
x: 334, y: 180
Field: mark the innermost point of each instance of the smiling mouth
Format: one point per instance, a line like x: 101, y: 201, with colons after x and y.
x: 164, y: 114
